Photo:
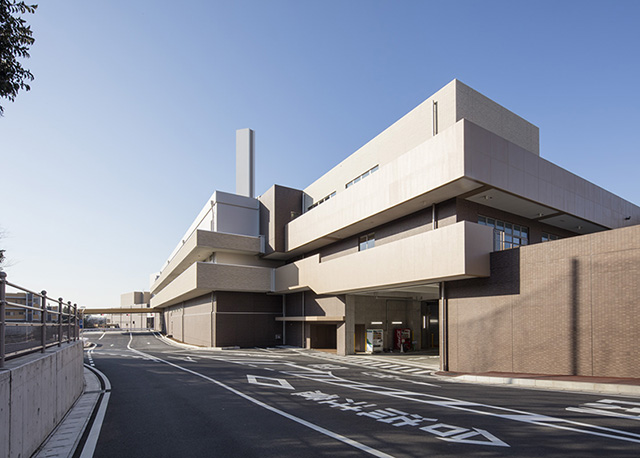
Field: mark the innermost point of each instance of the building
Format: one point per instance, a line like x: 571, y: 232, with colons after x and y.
x: 432, y: 232
x: 134, y: 313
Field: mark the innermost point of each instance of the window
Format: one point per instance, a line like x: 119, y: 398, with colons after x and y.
x: 506, y: 235
x: 324, y: 199
x: 361, y: 177
x: 546, y: 237
x: 367, y: 241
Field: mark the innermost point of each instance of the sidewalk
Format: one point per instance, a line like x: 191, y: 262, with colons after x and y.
x: 605, y: 385
x: 429, y: 361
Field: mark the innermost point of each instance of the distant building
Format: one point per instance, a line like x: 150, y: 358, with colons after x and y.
x: 134, y: 313
x: 134, y: 320
x: 433, y: 231
x: 19, y: 314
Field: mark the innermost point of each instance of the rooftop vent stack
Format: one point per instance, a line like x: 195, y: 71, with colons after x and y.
x: 245, y: 162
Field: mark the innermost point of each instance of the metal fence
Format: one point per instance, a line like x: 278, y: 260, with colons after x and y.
x: 33, y: 321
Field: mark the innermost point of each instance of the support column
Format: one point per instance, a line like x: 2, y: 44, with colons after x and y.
x: 346, y: 330
x: 444, y: 329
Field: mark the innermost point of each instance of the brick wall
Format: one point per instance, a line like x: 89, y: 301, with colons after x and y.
x: 570, y: 306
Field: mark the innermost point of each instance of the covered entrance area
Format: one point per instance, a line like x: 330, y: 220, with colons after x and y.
x: 408, y: 318
x: 313, y: 332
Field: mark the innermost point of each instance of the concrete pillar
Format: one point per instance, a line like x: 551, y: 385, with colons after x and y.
x: 414, y: 322
x: 346, y: 330
x: 245, y: 162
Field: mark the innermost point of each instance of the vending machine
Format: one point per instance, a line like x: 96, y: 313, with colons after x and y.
x: 374, y: 341
x: 402, y: 340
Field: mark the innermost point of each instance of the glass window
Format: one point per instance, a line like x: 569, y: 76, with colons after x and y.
x: 367, y: 241
x: 361, y: 177
x: 506, y: 235
x: 324, y: 199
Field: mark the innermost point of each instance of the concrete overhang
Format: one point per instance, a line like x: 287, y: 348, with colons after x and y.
x: 464, y: 160
x: 430, y: 173
x: 314, y: 319
x: 461, y: 250
x: 203, y: 277
x: 201, y: 245
x: 115, y: 310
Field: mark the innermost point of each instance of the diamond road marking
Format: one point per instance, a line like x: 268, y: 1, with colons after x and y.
x: 268, y: 381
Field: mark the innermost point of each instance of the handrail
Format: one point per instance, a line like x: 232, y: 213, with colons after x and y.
x: 27, y: 317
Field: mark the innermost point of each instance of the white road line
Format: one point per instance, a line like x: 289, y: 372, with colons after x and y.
x: 92, y: 440
x: 474, y: 407
x: 298, y: 420
x: 103, y: 334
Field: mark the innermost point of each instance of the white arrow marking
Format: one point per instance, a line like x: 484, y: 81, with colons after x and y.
x: 464, y: 438
x: 268, y: 381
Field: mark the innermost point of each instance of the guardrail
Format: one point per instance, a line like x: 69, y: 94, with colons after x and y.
x: 31, y: 321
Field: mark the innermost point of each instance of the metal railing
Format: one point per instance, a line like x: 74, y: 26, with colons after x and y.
x: 31, y: 321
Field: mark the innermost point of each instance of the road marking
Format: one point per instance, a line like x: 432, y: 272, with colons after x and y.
x: 473, y: 407
x: 103, y: 334
x: 395, y: 377
x: 327, y: 367
x: 400, y: 419
x: 610, y: 408
x: 89, y: 446
x: 298, y: 420
x: 268, y: 381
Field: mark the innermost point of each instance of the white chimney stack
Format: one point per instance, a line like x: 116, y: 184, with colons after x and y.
x: 245, y: 162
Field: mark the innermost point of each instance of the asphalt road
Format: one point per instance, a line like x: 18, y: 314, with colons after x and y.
x: 169, y: 401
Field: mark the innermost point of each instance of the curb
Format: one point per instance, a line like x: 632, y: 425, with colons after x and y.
x: 562, y: 385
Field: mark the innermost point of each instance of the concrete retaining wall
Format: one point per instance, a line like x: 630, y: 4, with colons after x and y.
x: 36, y: 391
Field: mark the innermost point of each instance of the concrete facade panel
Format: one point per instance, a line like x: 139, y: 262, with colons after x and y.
x: 425, y: 168
x: 394, y: 263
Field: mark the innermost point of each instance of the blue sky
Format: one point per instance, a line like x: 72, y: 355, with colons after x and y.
x: 130, y: 123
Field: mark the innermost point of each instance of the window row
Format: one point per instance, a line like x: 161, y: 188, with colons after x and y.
x: 324, y: 199
x: 546, y: 237
x: 506, y: 235
x: 361, y: 177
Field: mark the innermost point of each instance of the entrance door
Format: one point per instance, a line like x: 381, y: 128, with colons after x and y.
x: 323, y: 336
x: 430, y: 335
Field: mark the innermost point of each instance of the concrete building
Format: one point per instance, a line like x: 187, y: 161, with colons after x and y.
x: 432, y: 233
